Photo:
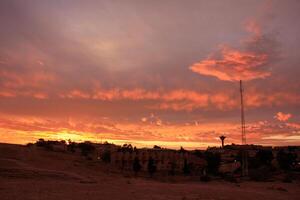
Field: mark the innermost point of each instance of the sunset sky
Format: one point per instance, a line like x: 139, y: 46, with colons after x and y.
x: 150, y: 72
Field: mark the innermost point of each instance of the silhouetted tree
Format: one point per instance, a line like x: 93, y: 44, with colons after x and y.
x: 151, y: 166
x: 71, y: 146
x: 286, y: 160
x: 156, y: 147
x: 29, y: 144
x: 127, y: 148
x: 136, y: 165
x: 213, y: 161
x: 182, y: 150
x: 86, y: 148
x: 40, y: 143
x: 48, y: 145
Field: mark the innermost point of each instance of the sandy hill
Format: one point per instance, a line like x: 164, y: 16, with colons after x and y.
x: 35, y: 173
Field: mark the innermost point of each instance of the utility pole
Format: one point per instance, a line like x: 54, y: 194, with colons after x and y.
x: 243, y: 129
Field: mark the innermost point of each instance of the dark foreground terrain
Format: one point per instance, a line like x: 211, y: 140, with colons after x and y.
x: 34, y: 173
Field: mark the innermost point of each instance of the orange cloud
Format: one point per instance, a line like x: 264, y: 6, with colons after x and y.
x: 282, y: 116
x: 249, y: 63
x: 233, y: 66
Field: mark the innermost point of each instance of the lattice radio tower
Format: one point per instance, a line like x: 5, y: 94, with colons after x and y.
x: 244, y: 141
x: 243, y: 129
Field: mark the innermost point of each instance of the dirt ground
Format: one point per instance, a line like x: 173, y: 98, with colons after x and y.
x: 30, y: 173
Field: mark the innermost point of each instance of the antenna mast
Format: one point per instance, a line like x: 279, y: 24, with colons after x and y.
x: 242, y: 114
x: 244, y: 142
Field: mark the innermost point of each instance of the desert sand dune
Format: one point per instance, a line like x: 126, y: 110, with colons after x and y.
x: 33, y: 173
